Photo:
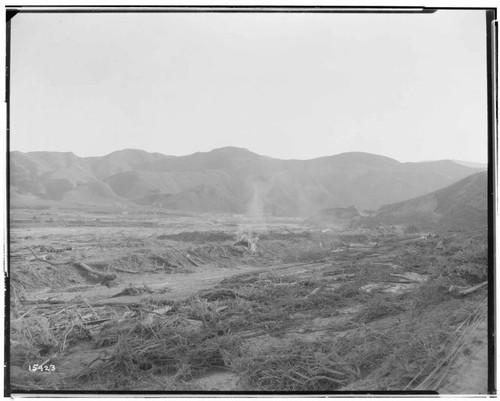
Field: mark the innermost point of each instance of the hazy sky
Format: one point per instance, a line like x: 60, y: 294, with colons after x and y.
x: 407, y: 86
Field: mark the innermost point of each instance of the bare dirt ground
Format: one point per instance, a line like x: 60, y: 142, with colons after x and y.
x: 469, y: 373
x: 173, y: 302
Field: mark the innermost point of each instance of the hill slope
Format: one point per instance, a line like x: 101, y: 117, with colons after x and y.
x: 231, y: 180
x: 460, y: 206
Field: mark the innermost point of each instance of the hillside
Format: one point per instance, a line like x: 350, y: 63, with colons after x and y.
x: 334, y: 217
x: 121, y: 161
x: 460, y: 206
x: 136, y: 184
x: 230, y: 180
x: 483, y: 166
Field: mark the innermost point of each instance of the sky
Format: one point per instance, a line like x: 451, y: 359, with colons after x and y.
x: 292, y: 86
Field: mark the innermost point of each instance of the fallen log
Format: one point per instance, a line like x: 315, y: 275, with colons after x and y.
x: 312, y: 292
x: 398, y: 281
x: 334, y: 273
x: 42, y: 259
x: 94, y: 322
x: 44, y: 301
x: 89, y: 323
x: 472, y: 289
x: 187, y: 257
x: 136, y: 272
x: 343, y: 278
x: 124, y: 270
x: 127, y: 304
x: 220, y: 294
x: 163, y: 260
x: 107, y: 277
x: 271, y: 269
x: 197, y: 259
x: 406, y: 278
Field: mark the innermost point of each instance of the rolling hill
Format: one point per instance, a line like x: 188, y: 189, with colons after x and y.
x: 459, y: 206
x: 229, y: 179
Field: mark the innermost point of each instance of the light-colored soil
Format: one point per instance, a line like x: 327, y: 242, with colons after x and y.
x: 219, y: 380
x: 175, y: 286
x: 469, y: 372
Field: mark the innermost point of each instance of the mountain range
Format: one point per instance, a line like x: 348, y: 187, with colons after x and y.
x: 461, y: 206
x: 229, y: 179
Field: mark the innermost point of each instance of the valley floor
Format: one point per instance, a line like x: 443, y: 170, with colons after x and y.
x: 152, y: 301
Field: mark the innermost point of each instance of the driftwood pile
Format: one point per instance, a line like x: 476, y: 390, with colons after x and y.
x: 248, y: 242
x: 106, y: 277
x: 162, y: 263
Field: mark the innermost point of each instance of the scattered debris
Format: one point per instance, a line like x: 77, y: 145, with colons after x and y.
x: 43, y: 248
x: 466, y: 290
x: 410, y: 277
x: 126, y: 271
x: 133, y: 291
x: 312, y: 292
x: 162, y: 311
x: 247, y: 241
x: 106, y: 277
x: 219, y: 294
x: 336, y: 321
x: 187, y: 257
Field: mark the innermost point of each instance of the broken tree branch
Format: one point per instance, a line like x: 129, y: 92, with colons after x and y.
x: 77, y: 264
x: 336, y: 273
x: 406, y: 278
x: 125, y: 271
x: 46, y: 261
x: 312, y: 292
x: 163, y: 260
x: 187, y: 257
x: 90, y: 270
x: 272, y: 269
x: 197, y: 259
x: 93, y: 322
x: 47, y: 301
x: 472, y: 289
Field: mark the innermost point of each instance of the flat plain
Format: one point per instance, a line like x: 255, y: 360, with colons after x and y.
x: 104, y: 299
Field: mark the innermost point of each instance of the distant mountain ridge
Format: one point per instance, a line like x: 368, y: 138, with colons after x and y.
x: 229, y: 179
x: 483, y: 166
x: 462, y: 205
